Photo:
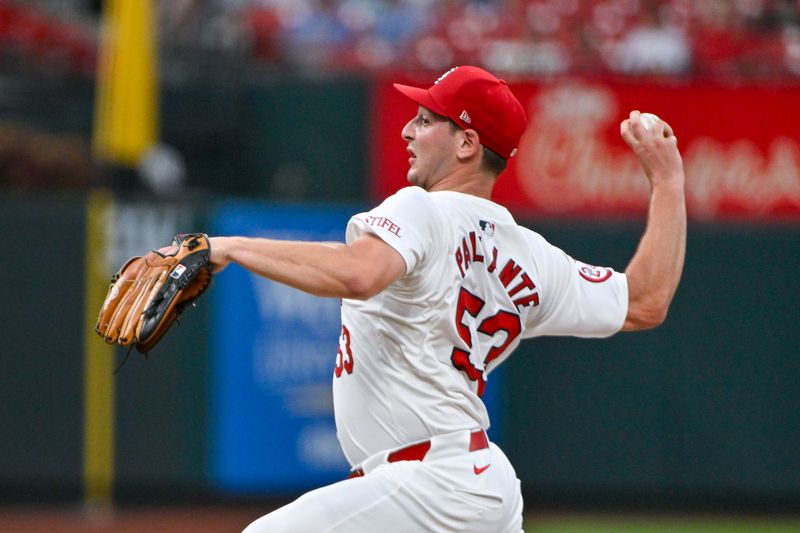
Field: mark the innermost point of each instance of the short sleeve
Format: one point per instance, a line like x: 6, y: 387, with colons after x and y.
x: 576, y: 298
x: 404, y: 221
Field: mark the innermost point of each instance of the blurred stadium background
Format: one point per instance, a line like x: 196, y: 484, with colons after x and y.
x: 123, y: 122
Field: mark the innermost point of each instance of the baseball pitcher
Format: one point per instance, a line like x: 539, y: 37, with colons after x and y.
x: 439, y: 285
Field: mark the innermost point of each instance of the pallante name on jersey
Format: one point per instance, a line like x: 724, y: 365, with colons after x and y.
x: 525, y: 290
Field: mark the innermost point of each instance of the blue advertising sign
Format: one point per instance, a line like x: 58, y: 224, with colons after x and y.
x: 273, y: 355
x: 274, y: 350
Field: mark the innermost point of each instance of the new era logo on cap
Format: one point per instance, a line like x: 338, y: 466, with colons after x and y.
x: 494, y: 112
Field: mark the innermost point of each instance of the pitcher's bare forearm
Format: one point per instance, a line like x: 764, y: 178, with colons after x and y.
x: 358, y: 270
x: 655, y: 270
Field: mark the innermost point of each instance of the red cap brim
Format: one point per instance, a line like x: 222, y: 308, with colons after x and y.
x: 422, y: 97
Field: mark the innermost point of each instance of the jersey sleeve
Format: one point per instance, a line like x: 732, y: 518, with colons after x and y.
x: 404, y: 221
x: 576, y: 299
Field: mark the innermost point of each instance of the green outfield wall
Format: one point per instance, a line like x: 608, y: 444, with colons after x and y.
x: 41, y: 385
x: 703, y: 410
x: 160, y: 405
x: 286, y: 138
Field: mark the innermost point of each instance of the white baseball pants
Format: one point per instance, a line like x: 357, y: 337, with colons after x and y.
x: 451, y: 490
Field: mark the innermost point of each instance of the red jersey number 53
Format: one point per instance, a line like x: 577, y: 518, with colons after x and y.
x: 344, y: 357
x: 504, y: 321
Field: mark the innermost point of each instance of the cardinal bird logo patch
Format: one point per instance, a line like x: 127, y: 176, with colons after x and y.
x: 593, y: 273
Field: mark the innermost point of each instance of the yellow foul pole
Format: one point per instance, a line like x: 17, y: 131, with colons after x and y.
x: 98, y: 386
x: 126, y: 106
x: 125, y: 127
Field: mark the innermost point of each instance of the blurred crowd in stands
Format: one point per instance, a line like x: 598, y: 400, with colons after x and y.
x: 36, y: 38
x: 749, y: 39
x: 31, y: 159
x: 739, y: 38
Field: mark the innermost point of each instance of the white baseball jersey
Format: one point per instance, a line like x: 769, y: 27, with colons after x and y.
x: 413, y: 360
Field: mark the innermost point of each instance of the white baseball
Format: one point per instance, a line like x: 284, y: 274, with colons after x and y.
x: 649, y: 120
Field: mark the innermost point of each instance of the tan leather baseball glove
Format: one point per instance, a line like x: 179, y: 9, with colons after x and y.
x: 149, y: 292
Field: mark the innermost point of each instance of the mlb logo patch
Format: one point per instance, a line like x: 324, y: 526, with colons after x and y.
x: 178, y: 272
x: 487, y: 227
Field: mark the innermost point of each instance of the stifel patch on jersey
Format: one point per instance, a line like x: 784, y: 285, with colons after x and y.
x: 593, y: 273
x: 383, y: 222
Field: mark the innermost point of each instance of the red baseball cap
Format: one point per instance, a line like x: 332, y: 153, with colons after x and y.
x: 474, y: 99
